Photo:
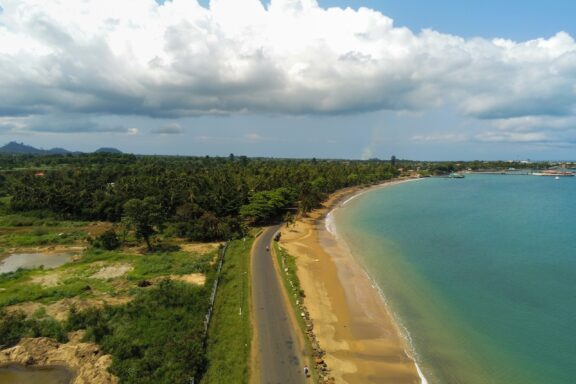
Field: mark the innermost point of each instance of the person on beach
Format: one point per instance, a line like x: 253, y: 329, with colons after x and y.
x: 306, y: 371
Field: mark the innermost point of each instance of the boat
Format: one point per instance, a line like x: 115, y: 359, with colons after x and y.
x: 456, y: 175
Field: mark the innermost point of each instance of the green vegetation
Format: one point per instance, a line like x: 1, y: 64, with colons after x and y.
x: 143, y: 216
x: 166, y: 264
x: 40, y: 237
x: 157, y: 338
x: 202, y: 199
x: 75, y: 279
x: 15, y: 325
x: 229, y: 335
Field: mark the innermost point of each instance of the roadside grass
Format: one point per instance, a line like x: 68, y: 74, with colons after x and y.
x: 230, y: 331
x: 288, y: 272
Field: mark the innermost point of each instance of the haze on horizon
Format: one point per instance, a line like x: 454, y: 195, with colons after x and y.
x: 291, y: 78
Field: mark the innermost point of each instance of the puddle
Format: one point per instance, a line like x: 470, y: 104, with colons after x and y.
x: 34, y: 260
x: 19, y: 374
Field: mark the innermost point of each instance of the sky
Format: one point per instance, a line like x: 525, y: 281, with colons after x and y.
x: 356, y: 79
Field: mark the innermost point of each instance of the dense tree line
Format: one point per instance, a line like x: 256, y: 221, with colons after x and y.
x: 203, y: 198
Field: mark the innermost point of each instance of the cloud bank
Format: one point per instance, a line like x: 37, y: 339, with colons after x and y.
x: 292, y: 57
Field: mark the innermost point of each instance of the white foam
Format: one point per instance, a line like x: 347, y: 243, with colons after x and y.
x: 352, y: 198
x: 330, y: 225
x: 422, y: 378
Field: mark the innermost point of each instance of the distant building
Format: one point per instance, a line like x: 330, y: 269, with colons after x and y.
x: 393, y: 161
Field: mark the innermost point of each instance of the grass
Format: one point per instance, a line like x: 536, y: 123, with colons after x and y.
x: 38, y: 228
x: 75, y: 278
x: 177, y: 263
x: 230, y: 331
x: 41, y: 237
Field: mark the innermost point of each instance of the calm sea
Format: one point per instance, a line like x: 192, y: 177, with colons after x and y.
x: 481, y: 272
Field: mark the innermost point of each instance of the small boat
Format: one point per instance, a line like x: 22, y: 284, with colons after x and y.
x: 456, y: 175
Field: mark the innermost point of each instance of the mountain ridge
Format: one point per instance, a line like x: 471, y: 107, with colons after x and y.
x: 15, y: 148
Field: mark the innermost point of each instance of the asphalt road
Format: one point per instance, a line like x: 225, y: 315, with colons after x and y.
x: 279, y: 352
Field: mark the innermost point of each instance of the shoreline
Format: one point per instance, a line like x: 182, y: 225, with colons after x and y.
x: 330, y: 227
x: 363, y: 341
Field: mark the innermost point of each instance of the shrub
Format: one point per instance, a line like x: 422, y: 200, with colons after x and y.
x: 12, y: 328
x: 107, y: 240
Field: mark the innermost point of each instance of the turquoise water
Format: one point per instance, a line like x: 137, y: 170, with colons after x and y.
x: 481, y: 272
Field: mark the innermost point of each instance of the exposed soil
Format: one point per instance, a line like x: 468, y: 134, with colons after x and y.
x: 113, y: 271
x: 88, y: 362
x: 48, y: 280
x: 193, y: 278
x: 200, y: 248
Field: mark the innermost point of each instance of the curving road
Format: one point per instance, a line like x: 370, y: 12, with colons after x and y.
x: 278, y: 348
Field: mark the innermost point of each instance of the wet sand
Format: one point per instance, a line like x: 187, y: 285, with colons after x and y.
x: 363, y: 342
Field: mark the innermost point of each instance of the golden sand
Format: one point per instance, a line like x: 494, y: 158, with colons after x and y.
x: 363, y: 342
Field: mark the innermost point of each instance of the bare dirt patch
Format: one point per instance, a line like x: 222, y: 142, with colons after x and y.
x: 113, y: 271
x: 193, y: 278
x: 49, y: 280
x: 200, y: 248
x: 86, y: 359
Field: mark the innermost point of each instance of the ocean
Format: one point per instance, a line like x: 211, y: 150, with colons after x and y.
x: 480, y: 272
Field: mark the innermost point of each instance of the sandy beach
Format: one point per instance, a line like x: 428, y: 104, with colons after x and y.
x: 363, y: 343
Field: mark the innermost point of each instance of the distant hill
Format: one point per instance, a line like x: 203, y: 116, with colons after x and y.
x: 20, y: 148
x: 58, y: 151
x: 107, y: 150
x: 23, y: 149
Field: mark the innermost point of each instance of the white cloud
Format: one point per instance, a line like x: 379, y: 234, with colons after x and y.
x: 136, y: 57
x: 549, y: 130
